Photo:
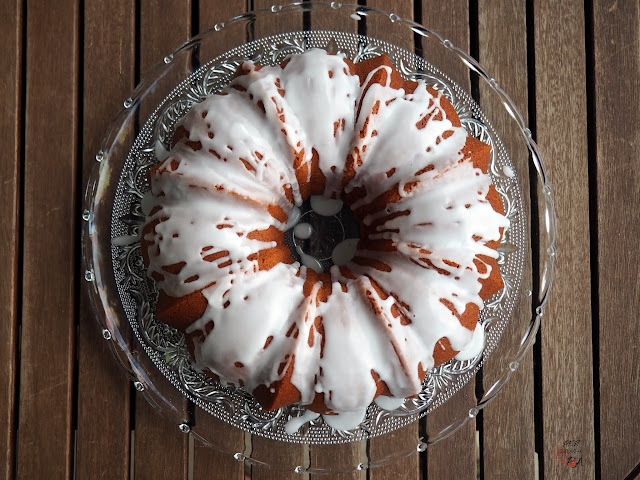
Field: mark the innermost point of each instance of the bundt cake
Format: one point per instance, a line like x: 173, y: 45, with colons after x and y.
x: 319, y: 126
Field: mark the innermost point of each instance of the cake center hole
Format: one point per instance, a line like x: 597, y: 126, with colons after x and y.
x: 325, y: 235
x: 318, y: 235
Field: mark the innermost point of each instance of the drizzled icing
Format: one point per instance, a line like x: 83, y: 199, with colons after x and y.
x: 296, y: 422
x: 309, y: 260
x: 303, y: 230
x: 392, y: 134
x: 244, y: 158
x: 325, y: 206
x: 344, y: 251
x: 474, y: 347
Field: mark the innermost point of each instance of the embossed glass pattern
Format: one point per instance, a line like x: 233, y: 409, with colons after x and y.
x: 155, y: 355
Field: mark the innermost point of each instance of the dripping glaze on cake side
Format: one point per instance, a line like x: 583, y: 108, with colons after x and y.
x: 243, y: 163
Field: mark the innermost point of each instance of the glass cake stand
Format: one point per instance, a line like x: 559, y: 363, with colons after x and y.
x: 154, y: 355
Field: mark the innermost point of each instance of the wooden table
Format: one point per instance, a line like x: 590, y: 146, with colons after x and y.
x: 66, y: 409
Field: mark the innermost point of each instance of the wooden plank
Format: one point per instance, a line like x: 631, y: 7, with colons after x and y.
x: 217, y: 461
x: 268, y: 451
x: 456, y: 455
x: 402, y: 8
x: 10, y: 129
x: 209, y: 462
x: 503, y: 52
x: 451, y: 20
x: 45, y: 435
x: 402, y: 468
x: 341, y: 457
x: 329, y: 19
x: 405, y: 439
x: 286, y: 21
x: 103, y: 434
x: 402, y: 440
x: 278, y: 456
x: 212, y: 12
x: 166, y: 25
x: 617, y: 68
x: 383, y: 29
x: 161, y: 449
x: 567, y: 383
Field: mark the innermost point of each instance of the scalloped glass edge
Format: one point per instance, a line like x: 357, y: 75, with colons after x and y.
x: 92, y: 195
x: 165, y: 347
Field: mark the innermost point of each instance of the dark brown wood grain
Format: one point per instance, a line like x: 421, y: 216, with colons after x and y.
x: 287, y: 21
x: 214, y: 459
x: 103, y: 436
x: 616, y: 33
x: 451, y: 20
x: 160, y: 450
x: 10, y: 128
x: 45, y: 435
x: 381, y: 451
x: 405, y: 467
x: 337, y: 19
x: 280, y: 457
x: 403, y: 9
x: 211, y: 463
x: 213, y: 12
x: 343, y: 458
x: 456, y: 455
x: 567, y: 383
x: 166, y: 26
x: 381, y: 27
x: 503, y: 53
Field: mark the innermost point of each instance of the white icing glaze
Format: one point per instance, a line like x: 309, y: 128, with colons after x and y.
x: 309, y: 261
x: 161, y: 153
x: 303, y: 230
x: 388, y: 403
x: 265, y: 305
x: 124, y: 240
x: 295, y: 423
x: 474, y: 347
x: 340, y: 421
x: 345, y: 421
x: 508, y: 171
x: 147, y: 202
x: 344, y: 251
x: 293, y: 218
x: 244, y: 153
x: 398, y: 137
x: 325, y: 206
